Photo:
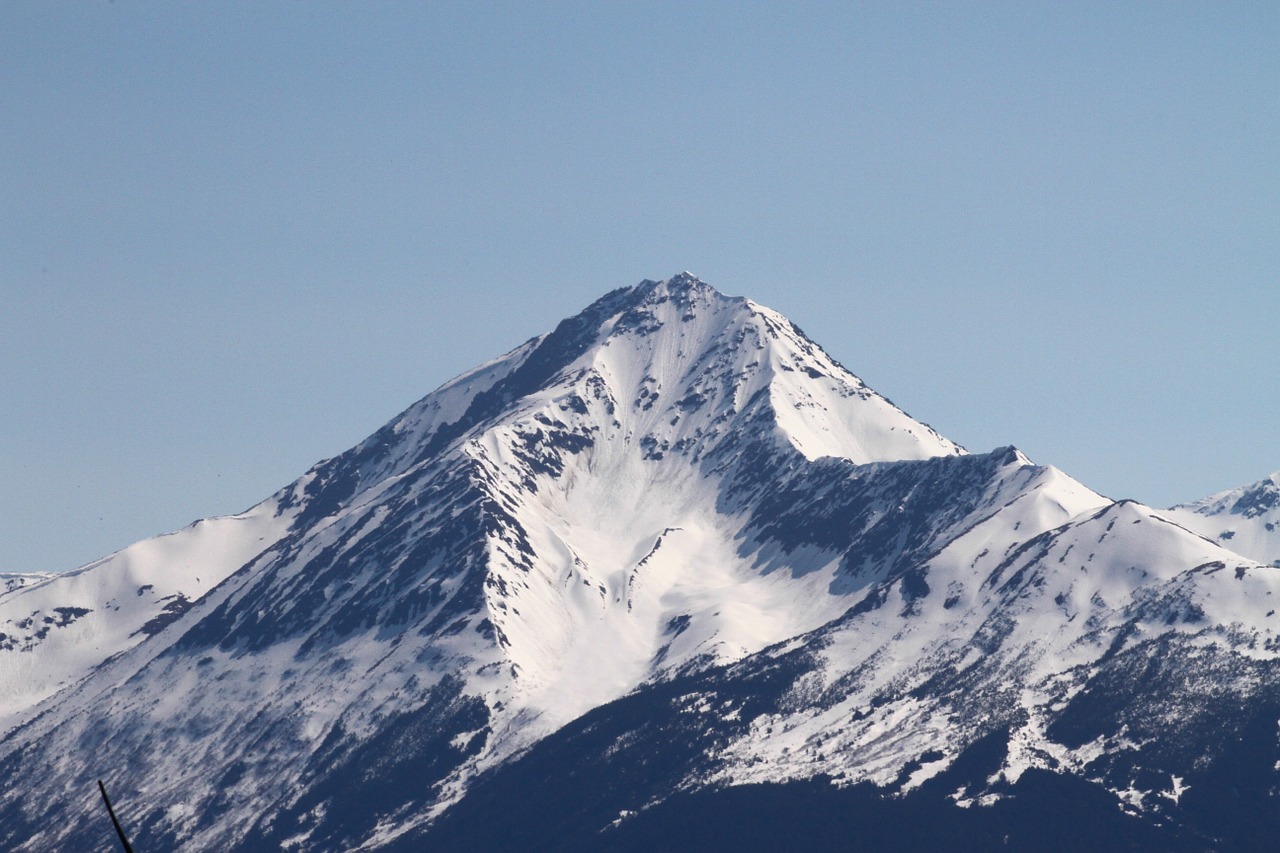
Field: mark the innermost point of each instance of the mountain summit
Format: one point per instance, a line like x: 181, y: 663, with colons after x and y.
x: 1244, y: 519
x: 669, y: 550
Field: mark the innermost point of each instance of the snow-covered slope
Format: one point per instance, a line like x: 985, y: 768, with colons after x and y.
x: 673, y: 502
x: 1245, y: 520
x: 55, y: 629
x: 1017, y: 637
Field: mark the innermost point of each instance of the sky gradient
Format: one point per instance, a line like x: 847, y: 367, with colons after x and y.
x: 236, y: 238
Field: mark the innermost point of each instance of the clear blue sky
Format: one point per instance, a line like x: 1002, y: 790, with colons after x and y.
x: 235, y: 238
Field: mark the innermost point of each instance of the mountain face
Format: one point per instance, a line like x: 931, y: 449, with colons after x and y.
x: 1245, y: 520
x: 665, y: 563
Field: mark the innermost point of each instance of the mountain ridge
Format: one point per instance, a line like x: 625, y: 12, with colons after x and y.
x: 1245, y: 519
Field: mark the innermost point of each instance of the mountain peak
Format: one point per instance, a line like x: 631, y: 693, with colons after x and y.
x: 680, y: 347
x: 1250, y: 500
x: 676, y: 364
x: 684, y: 289
x: 1245, y: 519
x: 680, y: 281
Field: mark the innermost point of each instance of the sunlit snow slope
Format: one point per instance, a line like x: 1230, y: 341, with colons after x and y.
x: 55, y: 629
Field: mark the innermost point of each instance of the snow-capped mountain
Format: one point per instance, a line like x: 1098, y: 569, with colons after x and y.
x: 1245, y: 520
x: 669, y: 550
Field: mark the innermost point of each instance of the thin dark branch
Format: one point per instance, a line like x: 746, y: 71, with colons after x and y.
x: 128, y: 848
